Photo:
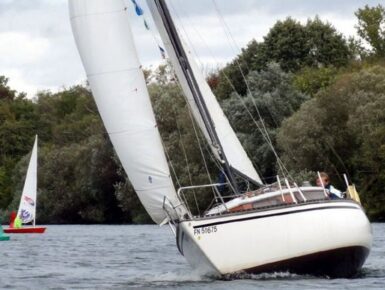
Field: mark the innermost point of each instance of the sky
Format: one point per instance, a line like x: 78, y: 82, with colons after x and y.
x: 37, y: 50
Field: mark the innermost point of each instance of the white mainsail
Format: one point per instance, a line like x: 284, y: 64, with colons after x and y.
x: 27, y: 207
x: 235, y: 154
x: 104, y: 39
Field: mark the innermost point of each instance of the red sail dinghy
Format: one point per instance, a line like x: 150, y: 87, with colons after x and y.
x: 26, y: 213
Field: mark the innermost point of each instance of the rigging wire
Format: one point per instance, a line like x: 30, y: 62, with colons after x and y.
x: 198, y: 141
x: 185, y: 157
x: 231, y: 39
x: 194, y: 52
x: 156, y: 40
x: 170, y: 162
x: 262, y: 128
x: 197, y: 58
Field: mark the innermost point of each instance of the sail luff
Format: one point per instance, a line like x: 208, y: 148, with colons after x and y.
x: 27, y: 206
x: 194, y: 89
x: 233, y: 152
x: 105, y: 42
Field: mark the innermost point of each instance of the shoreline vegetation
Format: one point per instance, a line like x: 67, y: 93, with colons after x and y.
x: 321, y: 96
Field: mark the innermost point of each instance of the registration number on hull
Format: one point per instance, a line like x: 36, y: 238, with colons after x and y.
x: 205, y: 230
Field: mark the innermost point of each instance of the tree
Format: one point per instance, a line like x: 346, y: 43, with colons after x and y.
x: 371, y: 27
x: 232, y: 77
x: 294, y: 46
x: 325, y: 46
x: 18, y: 118
x: 342, y: 130
x: 5, y: 92
x: 274, y: 97
x: 77, y: 183
x: 311, y: 80
x: 286, y: 44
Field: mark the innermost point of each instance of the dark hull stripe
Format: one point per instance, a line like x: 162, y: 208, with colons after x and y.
x: 273, y: 214
x: 337, y: 263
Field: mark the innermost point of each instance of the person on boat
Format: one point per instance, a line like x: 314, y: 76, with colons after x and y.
x: 334, y: 193
x: 12, y: 219
x: 17, y: 223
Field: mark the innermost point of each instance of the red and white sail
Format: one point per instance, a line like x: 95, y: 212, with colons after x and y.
x: 27, y: 207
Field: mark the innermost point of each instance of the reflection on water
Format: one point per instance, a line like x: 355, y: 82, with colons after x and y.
x: 121, y: 257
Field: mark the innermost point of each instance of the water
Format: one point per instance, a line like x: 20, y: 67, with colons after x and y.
x: 144, y: 257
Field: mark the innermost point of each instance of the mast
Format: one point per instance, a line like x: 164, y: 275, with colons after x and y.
x: 34, y: 209
x: 194, y: 87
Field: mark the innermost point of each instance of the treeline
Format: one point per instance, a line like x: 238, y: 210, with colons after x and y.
x: 321, y: 97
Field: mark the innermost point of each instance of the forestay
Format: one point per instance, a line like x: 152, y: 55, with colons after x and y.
x: 105, y: 43
x: 27, y: 207
x: 233, y: 150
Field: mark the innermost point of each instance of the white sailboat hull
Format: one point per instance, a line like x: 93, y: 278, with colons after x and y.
x: 327, y: 238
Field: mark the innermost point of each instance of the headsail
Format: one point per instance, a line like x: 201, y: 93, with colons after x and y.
x: 229, y: 143
x: 105, y: 43
x: 27, y: 207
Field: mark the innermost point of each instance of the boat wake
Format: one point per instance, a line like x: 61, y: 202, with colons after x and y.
x: 370, y: 273
x: 265, y: 276
x: 170, y: 279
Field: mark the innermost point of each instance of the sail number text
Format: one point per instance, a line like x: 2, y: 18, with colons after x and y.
x: 205, y: 230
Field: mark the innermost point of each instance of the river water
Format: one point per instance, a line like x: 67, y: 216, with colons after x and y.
x: 143, y: 257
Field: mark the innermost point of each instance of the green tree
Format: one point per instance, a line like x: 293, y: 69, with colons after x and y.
x: 295, y: 46
x: 325, y: 46
x: 274, y: 97
x: 77, y: 183
x: 5, y: 91
x: 371, y: 27
x: 286, y: 44
x: 311, y: 80
x: 342, y: 130
x: 232, y: 77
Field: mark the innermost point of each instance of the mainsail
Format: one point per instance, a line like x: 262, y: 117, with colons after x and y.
x: 105, y: 43
x: 186, y: 68
x: 27, y: 207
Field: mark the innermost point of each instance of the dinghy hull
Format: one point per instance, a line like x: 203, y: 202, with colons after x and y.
x: 25, y: 230
x: 4, y: 237
x: 331, y: 238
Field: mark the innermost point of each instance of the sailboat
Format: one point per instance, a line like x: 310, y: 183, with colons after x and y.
x: 277, y: 227
x: 27, y: 207
x: 3, y: 237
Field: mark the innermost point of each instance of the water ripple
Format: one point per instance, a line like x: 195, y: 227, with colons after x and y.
x: 144, y: 257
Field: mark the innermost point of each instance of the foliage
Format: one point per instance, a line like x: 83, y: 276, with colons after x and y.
x: 342, y: 130
x: 290, y: 44
x: 294, y: 45
x: 84, y: 192
x: 273, y: 98
x: 371, y: 27
x: 231, y: 78
x: 311, y: 80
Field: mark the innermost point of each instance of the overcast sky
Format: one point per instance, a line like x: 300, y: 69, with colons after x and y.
x: 38, y: 51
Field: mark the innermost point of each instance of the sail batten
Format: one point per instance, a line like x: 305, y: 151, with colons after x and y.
x: 109, y: 56
x: 229, y: 150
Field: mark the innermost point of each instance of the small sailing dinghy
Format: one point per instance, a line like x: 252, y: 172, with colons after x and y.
x: 26, y: 213
x: 3, y: 237
x: 278, y: 227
